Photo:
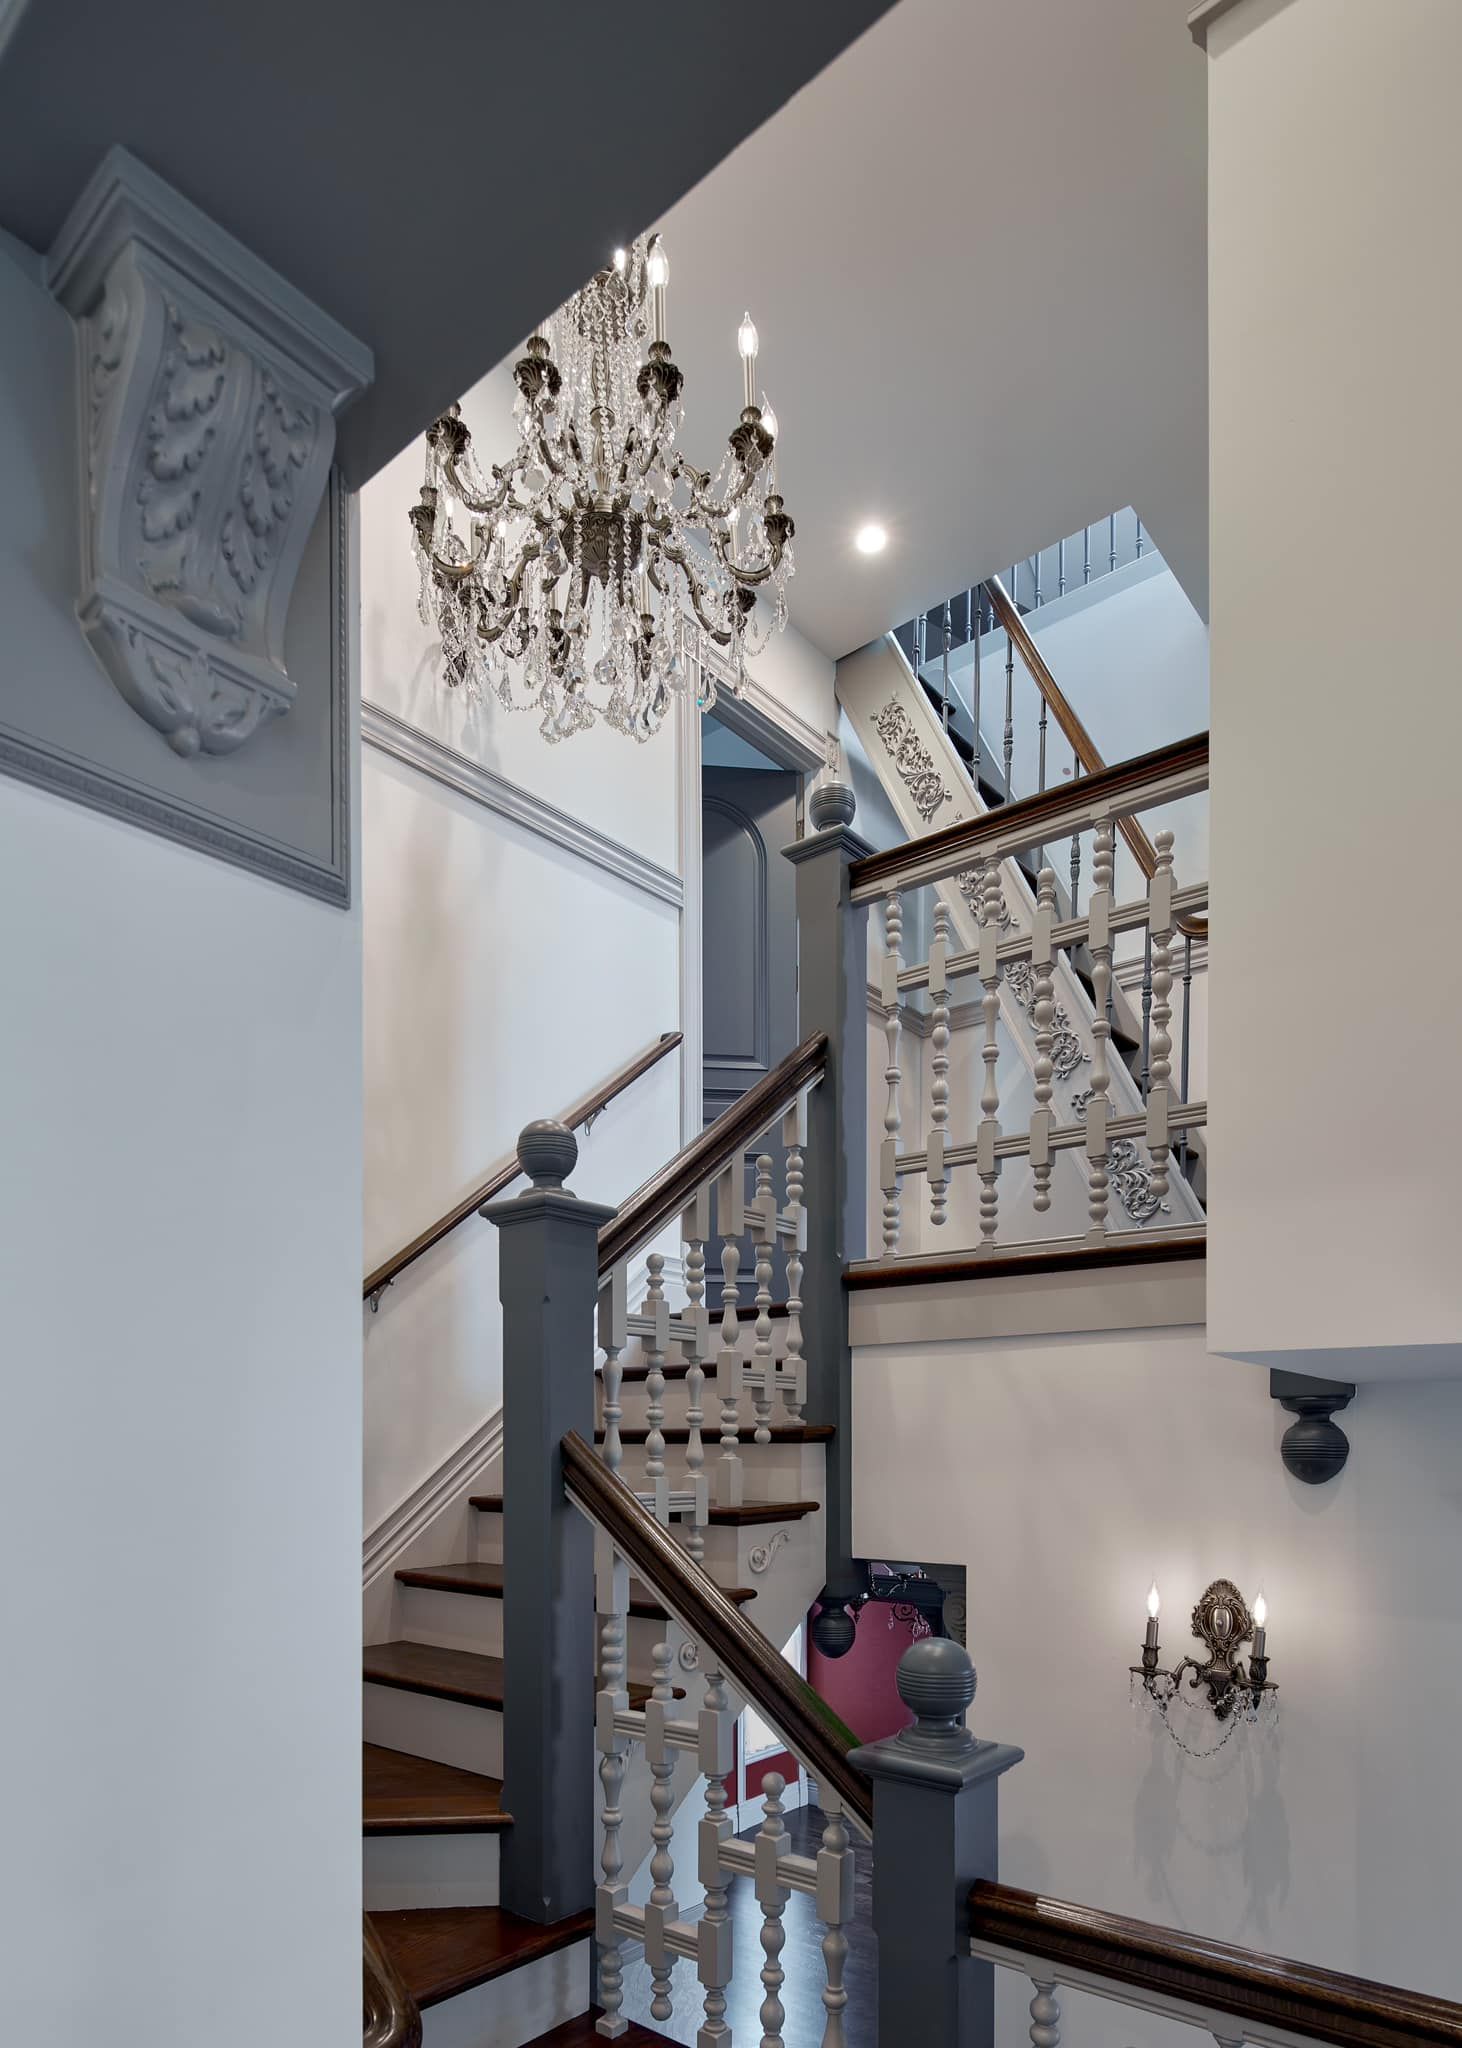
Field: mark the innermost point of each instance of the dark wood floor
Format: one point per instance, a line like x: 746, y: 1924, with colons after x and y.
x: 801, y: 1960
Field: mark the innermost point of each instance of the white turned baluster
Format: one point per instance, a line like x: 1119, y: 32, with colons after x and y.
x: 794, y: 1366
x: 771, y: 1896
x: 730, y: 1222
x: 613, y: 1336
x: 713, y: 1932
x: 1045, y: 2010
x: 1043, y: 1014
x: 660, y: 1907
x: 939, y: 1067
x: 658, y: 1309
x: 834, y: 1910
x: 1099, y: 943
x: 1159, y: 1097
x: 893, y: 928
x: 696, y: 1228
x: 764, y: 1235
x: 987, y: 1165
x: 611, y: 1582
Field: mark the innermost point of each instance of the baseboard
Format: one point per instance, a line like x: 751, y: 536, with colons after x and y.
x: 457, y: 1475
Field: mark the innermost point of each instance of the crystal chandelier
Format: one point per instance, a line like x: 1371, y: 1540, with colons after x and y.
x: 565, y: 579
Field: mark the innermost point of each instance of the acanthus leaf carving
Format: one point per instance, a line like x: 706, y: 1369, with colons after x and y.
x: 912, y: 759
x: 210, y: 389
x: 1067, y: 1053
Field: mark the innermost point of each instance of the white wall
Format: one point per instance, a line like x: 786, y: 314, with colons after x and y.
x: 1332, y: 130
x: 505, y: 976
x: 1064, y: 1473
x: 179, y: 1460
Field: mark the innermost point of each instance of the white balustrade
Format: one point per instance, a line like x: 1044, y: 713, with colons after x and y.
x: 1044, y: 1019
x: 888, y: 1180
x: 764, y: 1235
x: 730, y: 1222
x: 657, y: 1309
x: 794, y: 1366
x: 988, y: 1165
x: 695, y: 1229
x: 1045, y: 2008
x: 613, y: 1336
x: 1099, y: 943
x: 1160, y: 925
x: 939, y: 1066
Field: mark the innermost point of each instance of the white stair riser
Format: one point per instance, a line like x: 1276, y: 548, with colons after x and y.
x: 403, y: 1872
x: 444, y: 1730
x: 515, y: 2009
x: 454, y: 1621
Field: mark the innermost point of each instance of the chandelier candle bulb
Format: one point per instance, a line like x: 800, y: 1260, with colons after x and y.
x: 746, y: 342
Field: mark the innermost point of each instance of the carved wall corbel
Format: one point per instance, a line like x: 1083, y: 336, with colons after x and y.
x: 209, y: 389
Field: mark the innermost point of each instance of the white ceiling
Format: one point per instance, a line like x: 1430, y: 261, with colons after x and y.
x: 975, y: 250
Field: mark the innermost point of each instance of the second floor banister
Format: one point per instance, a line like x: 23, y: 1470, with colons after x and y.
x: 1029, y: 981
x: 1235, y: 1994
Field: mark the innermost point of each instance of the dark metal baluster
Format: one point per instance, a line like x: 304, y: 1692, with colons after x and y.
x: 975, y: 701
x: 1036, y: 571
x: 1146, y: 1010
x: 1187, y: 1042
x: 1060, y: 576
x: 1009, y: 713
x: 1139, y: 540
x: 1015, y: 584
x: 921, y: 644
x: 1085, y: 555
x: 948, y: 634
x: 1075, y: 844
x: 1112, y: 541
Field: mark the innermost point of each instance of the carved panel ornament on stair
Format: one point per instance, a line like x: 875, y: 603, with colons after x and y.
x: 913, y: 760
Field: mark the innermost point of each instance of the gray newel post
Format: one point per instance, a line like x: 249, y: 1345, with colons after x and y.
x: 935, y: 1793
x: 832, y: 996
x: 548, y: 1281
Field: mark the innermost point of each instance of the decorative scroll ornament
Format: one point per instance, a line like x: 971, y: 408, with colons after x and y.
x: 760, y: 1559
x: 580, y: 559
x: 1128, y: 1172
x: 209, y: 389
x: 972, y: 887
x: 912, y: 759
x: 1067, y: 1053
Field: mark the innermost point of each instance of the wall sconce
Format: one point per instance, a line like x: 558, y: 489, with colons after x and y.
x: 1234, y: 1692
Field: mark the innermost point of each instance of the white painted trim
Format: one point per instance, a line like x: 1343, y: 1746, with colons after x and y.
x: 1128, y: 973
x: 1202, y: 17
x: 468, y: 778
x: 806, y: 747
x: 415, y: 1511
x: 688, y: 825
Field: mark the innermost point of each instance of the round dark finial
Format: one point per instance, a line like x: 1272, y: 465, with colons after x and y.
x: 936, y: 1682
x: 547, y: 1152
x: 834, y: 1631
x: 831, y: 803
x: 1314, y: 1448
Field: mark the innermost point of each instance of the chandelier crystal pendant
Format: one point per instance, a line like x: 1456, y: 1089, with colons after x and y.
x: 565, y: 579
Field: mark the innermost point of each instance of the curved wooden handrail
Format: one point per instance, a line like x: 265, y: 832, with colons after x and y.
x: 1026, y: 817
x: 392, y: 2018
x: 1256, y: 1989
x: 508, y: 1170
x: 1078, y: 738
x: 667, y: 1192
x: 737, y: 1649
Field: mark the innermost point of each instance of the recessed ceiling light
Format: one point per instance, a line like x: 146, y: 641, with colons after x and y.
x: 871, y: 540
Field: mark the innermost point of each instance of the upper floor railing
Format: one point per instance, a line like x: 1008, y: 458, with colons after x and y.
x: 1022, y: 966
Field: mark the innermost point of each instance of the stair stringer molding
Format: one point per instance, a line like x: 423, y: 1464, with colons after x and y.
x: 930, y: 792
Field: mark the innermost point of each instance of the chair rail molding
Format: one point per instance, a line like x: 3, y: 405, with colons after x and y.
x: 208, y: 390
x: 456, y: 771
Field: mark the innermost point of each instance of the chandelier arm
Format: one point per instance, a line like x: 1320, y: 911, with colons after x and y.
x: 452, y: 572
x: 469, y: 499
x: 719, y: 634
x: 546, y: 455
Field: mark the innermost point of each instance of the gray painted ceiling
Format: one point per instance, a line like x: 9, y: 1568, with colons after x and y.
x: 393, y: 160
x: 976, y: 251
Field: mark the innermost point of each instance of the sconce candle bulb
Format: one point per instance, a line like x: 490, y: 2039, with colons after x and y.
x: 1153, y: 1604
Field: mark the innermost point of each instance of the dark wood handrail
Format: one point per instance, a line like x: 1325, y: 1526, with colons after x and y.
x: 1111, y: 785
x: 507, y: 1170
x: 392, y: 2018
x: 1255, y: 1989
x: 667, y: 1192
x: 738, y: 1650
x: 1078, y: 738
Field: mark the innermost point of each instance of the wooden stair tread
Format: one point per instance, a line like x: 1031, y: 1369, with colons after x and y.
x: 463, y: 1675
x: 443, y: 1950
x: 751, y: 1513
x: 414, y: 1795
x: 486, y: 1580
x: 781, y: 1433
x: 580, y: 2033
